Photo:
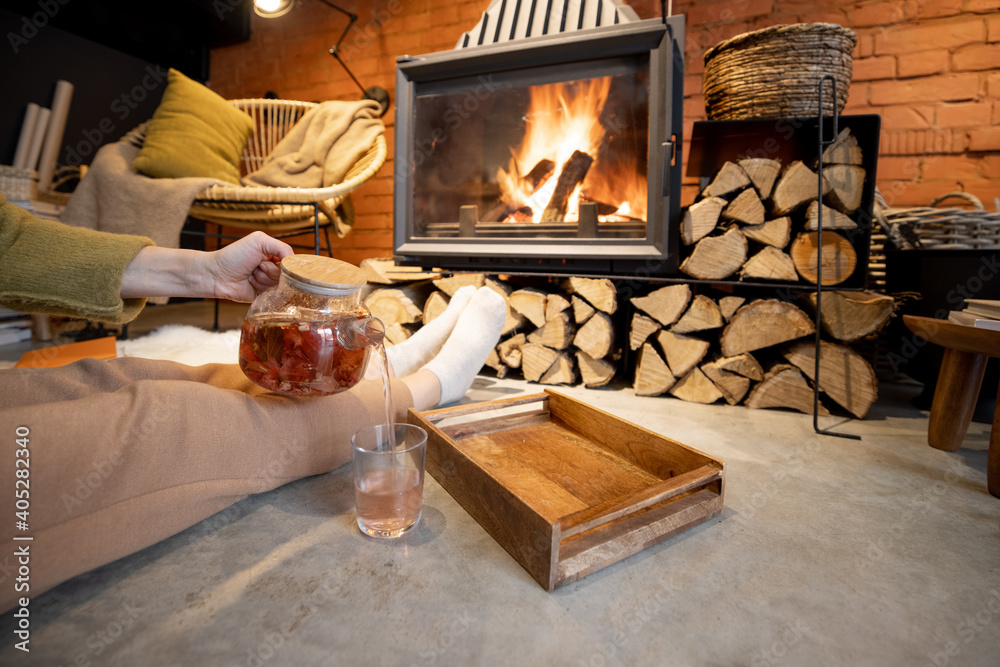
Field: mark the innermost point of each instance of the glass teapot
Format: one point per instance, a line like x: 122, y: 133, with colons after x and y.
x: 310, y: 335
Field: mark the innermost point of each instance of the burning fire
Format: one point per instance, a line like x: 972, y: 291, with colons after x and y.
x: 563, y: 121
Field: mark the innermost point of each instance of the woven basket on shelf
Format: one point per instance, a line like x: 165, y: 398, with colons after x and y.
x: 775, y: 72
x: 17, y: 184
x: 950, y: 228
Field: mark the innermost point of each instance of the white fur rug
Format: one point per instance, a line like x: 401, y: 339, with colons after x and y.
x: 185, y: 344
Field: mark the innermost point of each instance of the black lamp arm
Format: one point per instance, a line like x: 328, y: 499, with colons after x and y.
x: 333, y: 52
x: 376, y: 93
x: 351, y: 19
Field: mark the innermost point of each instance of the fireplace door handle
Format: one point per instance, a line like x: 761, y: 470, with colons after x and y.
x: 667, y: 160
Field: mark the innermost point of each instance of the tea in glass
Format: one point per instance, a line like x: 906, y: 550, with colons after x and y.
x: 389, y: 478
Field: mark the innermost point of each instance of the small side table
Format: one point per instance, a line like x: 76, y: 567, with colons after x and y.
x: 966, y: 350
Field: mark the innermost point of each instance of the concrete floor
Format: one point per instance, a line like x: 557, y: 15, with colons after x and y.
x: 882, y: 551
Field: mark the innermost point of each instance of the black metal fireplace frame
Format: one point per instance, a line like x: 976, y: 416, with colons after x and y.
x: 662, y: 42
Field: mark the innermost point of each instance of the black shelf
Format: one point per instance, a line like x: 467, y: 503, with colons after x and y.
x: 715, y: 142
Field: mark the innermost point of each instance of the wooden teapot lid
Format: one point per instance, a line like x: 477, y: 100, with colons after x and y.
x: 323, y: 272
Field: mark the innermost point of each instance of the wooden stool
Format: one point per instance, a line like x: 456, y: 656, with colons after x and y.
x: 966, y: 350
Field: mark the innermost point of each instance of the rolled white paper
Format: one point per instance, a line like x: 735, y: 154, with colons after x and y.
x: 38, y: 136
x: 54, y: 135
x: 27, y: 131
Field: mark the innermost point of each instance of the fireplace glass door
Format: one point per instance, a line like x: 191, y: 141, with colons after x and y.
x: 550, y: 150
x: 510, y: 158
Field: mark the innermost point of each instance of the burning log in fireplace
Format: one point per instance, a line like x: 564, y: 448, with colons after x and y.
x: 573, y: 173
x: 550, y: 197
x: 566, y: 138
x: 532, y: 183
x: 571, y: 176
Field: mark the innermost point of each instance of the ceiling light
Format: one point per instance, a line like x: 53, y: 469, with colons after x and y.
x: 272, y: 8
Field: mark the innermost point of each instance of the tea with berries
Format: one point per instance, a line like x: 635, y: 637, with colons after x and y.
x: 299, y: 358
x: 309, y: 335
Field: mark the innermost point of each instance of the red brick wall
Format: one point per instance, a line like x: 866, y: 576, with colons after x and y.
x: 288, y: 55
x: 930, y: 68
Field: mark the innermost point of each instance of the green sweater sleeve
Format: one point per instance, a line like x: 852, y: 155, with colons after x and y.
x: 48, y: 267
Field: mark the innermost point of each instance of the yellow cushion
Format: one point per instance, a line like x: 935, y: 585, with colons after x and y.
x: 194, y: 133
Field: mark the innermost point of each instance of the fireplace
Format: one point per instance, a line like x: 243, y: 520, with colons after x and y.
x: 550, y: 154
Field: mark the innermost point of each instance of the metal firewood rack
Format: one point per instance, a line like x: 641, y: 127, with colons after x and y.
x: 823, y: 141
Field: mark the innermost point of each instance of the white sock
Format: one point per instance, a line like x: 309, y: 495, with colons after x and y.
x: 476, y: 333
x: 407, y: 357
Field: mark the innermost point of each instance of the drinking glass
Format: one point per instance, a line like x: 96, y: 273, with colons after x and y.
x: 388, y: 478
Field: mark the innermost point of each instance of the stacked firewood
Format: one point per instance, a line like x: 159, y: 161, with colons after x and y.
x: 693, y: 346
x: 759, y: 353
x: 757, y: 221
x: 551, y: 336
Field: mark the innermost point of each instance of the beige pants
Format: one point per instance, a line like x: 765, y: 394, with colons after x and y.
x: 126, y: 452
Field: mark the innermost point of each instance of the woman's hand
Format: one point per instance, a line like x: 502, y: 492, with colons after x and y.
x: 239, y: 271
x: 242, y: 270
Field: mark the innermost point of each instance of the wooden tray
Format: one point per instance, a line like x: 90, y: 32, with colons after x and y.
x: 564, y: 487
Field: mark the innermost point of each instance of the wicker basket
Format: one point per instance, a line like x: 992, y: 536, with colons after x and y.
x: 17, y: 184
x: 775, y: 72
x: 949, y: 228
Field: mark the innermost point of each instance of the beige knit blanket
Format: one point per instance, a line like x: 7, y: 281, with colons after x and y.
x: 113, y: 197
x: 322, y: 147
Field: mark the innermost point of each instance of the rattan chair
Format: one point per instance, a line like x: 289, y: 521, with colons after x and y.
x: 282, y: 212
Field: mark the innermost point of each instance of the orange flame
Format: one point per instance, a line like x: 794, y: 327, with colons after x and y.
x: 563, y: 118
